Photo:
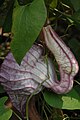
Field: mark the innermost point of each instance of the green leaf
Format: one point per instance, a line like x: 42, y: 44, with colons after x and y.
x: 27, y: 24
x: 2, y: 89
x: 53, y: 4
x: 5, y: 113
x: 76, y: 4
x: 3, y: 100
x: 70, y: 100
x: 53, y: 99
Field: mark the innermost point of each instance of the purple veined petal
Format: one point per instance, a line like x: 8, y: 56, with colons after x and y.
x: 44, y: 73
x: 68, y: 65
x: 18, y: 101
x: 18, y: 80
x: 32, y: 56
x: 48, y: 78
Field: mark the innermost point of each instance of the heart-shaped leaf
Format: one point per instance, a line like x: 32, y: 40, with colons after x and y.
x: 27, y: 24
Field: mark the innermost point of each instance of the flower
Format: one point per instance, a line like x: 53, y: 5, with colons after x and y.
x: 68, y: 65
x: 34, y: 73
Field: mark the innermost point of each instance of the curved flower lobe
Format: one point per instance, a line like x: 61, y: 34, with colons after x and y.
x: 68, y: 65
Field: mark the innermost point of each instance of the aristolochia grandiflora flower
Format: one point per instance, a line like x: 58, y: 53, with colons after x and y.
x: 34, y: 72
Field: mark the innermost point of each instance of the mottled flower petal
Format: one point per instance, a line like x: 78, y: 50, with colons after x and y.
x: 67, y: 63
x: 18, y: 80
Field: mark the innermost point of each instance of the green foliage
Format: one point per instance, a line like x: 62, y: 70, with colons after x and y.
x: 5, y: 113
x: 27, y: 24
x: 70, y: 100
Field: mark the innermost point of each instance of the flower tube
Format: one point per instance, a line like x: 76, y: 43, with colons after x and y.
x: 68, y: 65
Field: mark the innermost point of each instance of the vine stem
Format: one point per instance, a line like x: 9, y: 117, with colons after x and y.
x: 17, y: 116
x: 31, y: 97
x: 77, y: 82
x: 27, y: 116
